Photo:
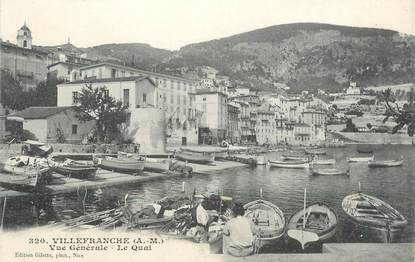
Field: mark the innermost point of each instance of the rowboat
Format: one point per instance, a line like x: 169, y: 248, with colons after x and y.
x: 323, y: 161
x: 121, y: 164
x: 360, y: 159
x: 384, y: 163
x: 301, y: 157
x: 329, y: 172
x: 289, y: 164
x: 268, y: 221
x: 74, y: 169
x: 318, y: 219
x: 315, y: 152
x: 365, y: 150
x: 374, y: 216
x: 196, y: 157
x: 219, y: 152
x: 151, y: 164
x: 22, y: 172
x: 260, y: 160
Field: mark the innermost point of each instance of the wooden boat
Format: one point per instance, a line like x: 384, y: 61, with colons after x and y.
x: 365, y: 150
x: 320, y: 220
x: 315, y: 152
x: 360, y: 159
x: 151, y: 164
x: 268, y: 221
x: 323, y: 161
x: 299, y: 157
x: 384, y: 163
x: 374, y: 216
x: 22, y: 172
x: 121, y: 164
x: 196, y: 157
x: 329, y: 172
x: 260, y: 160
x: 289, y: 164
x: 74, y: 169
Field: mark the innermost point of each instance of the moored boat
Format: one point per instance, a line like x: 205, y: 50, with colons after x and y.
x: 121, y: 164
x: 384, y: 163
x: 195, y: 157
x: 315, y: 151
x: 268, y: 221
x: 289, y: 164
x: 359, y: 159
x: 74, y: 169
x: 374, y: 216
x: 365, y: 150
x: 329, y: 172
x: 323, y: 161
x: 260, y: 160
x: 318, y: 219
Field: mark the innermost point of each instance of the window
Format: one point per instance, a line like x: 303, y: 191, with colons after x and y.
x: 75, y: 98
x: 122, y: 73
x: 178, y: 99
x: 144, y: 98
x: 100, y: 73
x: 24, y: 43
x: 113, y: 73
x: 126, y: 97
x: 25, y: 33
x: 74, y: 129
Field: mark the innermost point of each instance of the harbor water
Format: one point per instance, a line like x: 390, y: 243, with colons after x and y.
x: 283, y: 187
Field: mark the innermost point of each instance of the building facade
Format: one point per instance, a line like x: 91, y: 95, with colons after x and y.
x: 233, y: 130
x: 27, y: 64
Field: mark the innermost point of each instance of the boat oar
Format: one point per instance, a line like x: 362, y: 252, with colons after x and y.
x: 302, y: 235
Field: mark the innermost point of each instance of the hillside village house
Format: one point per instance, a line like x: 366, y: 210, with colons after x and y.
x: 212, y: 108
x: 48, y: 123
x: 28, y: 64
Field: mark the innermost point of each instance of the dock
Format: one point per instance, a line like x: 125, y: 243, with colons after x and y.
x: 61, y: 184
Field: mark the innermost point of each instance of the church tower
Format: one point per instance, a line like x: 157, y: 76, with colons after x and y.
x: 24, y: 37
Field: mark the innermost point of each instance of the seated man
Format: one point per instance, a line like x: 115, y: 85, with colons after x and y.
x: 151, y: 211
x: 239, y: 233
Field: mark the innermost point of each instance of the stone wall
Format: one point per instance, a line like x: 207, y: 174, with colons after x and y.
x: 378, y: 138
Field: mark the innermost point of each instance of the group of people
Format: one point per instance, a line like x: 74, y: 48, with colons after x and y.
x: 238, y: 232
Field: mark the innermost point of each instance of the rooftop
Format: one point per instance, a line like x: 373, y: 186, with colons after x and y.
x: 108, y: 80
x: 136, y: 70
x: 40, y: 112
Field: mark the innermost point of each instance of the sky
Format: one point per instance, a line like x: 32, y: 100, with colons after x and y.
x: 171, y: 24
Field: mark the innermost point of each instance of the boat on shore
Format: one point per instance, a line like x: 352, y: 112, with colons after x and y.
x: 24, y: 172
x: 360, y: 159
x: 151, y: 164
x: 219, y: 152
x: 121, y: 164
x: 318, y: 219
x: 329, y: 172
x: 374, y: 216
x: 268, y: 221
x: 289, y: 164
x: 385, y: 163
x: 196, y: 158
x: 74, y: 169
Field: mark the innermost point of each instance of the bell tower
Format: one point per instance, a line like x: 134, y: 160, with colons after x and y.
x: 24, y: 37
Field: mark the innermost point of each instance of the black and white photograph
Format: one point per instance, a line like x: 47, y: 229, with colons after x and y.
x: 207, y: 130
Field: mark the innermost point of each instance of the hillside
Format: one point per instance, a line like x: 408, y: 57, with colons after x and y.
x: 305, y: 56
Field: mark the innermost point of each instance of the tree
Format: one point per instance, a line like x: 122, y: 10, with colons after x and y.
x: 45, y: 93
x: 96, y: 104
x: 369, y: 126
x: 350, y: 126
x: 404, y: 115
x: 12, y: 94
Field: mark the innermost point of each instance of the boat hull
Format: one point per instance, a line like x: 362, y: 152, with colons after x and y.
x: 293, y: 165
x: 196, y: 158
x: 388, y: 163
x: 122, y: 165
x: 22, y: 178
x: 359, y: 159
x: 329, y: 172
x: 77, y: 172
x: 157, y: 165
x: 324, y: 161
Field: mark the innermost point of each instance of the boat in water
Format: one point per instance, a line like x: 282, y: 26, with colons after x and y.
x: 323, y: 161
x: 197, y: 158
x: 75, y: 169
x: 315, y: 151
x: 365, y: 150
x: 329, y: 172
x: 360, y: 159
x: 268, y: 221
x: 385, y: 163
x: 260, y: 160
x: 24, y: 172
x: 121, y: 164
x: 374, y: 216
x: 318, y: 222
x: 289, y: 164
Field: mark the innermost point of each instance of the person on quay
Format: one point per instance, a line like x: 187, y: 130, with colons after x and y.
x: 203, y: 219
x: 238, y: 234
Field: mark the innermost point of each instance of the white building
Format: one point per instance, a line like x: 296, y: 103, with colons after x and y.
x: 353, y: 89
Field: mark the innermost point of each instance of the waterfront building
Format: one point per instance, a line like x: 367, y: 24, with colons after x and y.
x: 265, y: 128
x: 27, y: 63
x: 249, y: 104
x: 54, y: 124
x: 233, y: 131
x: 211, y: 107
